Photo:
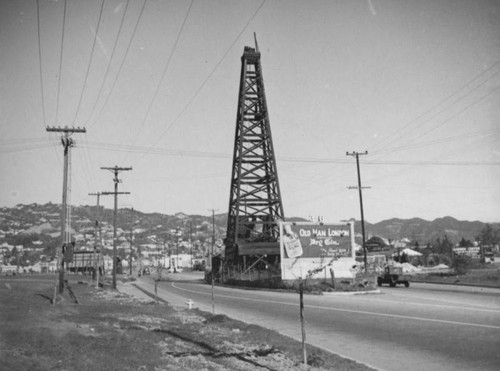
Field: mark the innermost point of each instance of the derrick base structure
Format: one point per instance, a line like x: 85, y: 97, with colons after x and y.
x: 255, y: 205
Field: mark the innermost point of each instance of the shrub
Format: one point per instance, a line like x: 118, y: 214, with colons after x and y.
x: 461, y: 264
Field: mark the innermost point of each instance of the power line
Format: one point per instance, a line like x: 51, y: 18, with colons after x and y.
x: 164, y: 72
x: 441, y: 102
x: 27, y: 148
x: 38, y: 143
x: 87, y: 168
x: 452, y: 117
x: 200, y: 88
x: 108, y: 67
x: 203, y: 154
x: 60, y: 63
x: 16, y: 141
x: 122, y: 63
x: 443, y: 140
x: 90, y: 61
x: 40, y: 61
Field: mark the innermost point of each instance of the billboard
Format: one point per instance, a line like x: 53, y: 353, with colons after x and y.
x: 473, y: 252
x: 310, y: 249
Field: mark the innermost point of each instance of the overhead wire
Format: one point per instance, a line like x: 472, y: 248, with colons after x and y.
x: 106, y: 100
x: 108, y: 67
x: 428, y: 163
x: 456, y: 92
x: 204, y: 154
x: 450, y: 118
x: 466, y: 136
x: 200, y: 88
x: 90, y: 61
x: 414, y: 145
x: 89, y: 174
x: 60, y: 63
x: 44, y: 116
x: 85, y: 82
x: 165, y: 69
x: 42, y: 93
x: 192, y: 99
x: 14, y: 141
x: 24, y: 148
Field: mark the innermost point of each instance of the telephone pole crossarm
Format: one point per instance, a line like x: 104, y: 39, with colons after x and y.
x: 67, y: 129
x: 116, y: 168
x: 114, y: 193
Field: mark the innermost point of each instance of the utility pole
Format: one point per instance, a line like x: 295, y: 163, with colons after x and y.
x: 177, y: 249
x: 96, y: 239
x: 131, y: 249
x: 191, y: 242
x: 357, y: 154
x: 212, y: 259
x: 115, y: 170
x: 67, y: 143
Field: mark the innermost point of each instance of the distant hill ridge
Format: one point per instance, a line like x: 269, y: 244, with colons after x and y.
x: 424, y: 231
x: 34, y: 218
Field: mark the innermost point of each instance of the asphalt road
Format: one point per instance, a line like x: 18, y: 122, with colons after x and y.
x: 422, y: 327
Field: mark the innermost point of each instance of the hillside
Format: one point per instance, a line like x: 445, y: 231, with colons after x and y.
x: 36, y: 230
x: 42, y: 220
x: 424, y: 231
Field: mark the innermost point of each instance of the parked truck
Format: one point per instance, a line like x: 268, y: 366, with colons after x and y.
x: 393, y: 276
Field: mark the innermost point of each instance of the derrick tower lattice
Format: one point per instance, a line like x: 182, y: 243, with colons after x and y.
x: 255, y: 204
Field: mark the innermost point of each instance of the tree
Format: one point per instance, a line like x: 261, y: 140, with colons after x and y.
x: 375, y: 243
x: 465, y: 243
x: 14, y: 256
x: 489, y: 236
x: 443, y: 246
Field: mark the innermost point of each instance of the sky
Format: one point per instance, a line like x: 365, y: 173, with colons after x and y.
x: 155, y: 84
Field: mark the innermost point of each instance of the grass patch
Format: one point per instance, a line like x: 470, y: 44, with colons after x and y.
x: 111, y: 331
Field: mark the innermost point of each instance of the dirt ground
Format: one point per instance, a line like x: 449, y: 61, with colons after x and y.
x: 107, y: 330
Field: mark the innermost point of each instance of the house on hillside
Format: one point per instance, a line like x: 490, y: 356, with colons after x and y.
x: 402, y: 243
x: 6, y: 247
x: 377, y: 243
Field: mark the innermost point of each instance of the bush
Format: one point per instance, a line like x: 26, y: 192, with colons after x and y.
x: 461, y: 264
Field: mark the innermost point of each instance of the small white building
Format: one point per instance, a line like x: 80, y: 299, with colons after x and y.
x: 181, y: 260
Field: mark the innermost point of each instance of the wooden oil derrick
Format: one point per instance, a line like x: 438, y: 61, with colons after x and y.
x: 255, y: 205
